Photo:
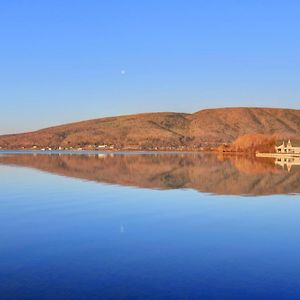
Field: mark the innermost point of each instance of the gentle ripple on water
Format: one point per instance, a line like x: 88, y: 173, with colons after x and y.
x: 148, y: 227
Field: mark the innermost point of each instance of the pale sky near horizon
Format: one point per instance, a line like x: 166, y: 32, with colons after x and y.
x: 70, y: 60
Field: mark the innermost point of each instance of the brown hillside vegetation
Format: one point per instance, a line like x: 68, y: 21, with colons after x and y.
x: 252, y: 143
x: 164, y: 131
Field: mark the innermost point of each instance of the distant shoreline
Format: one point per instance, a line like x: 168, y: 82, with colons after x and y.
x: 277, y: 155
x: 99, y: 152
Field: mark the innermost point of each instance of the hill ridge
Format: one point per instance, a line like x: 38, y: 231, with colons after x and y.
x: 162, y: 130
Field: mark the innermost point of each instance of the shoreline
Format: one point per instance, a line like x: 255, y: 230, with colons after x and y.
x: 132, y: 151
x: 278, y: 155
x: 21, y: 151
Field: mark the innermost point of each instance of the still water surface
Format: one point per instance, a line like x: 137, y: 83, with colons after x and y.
x: 148, y: 226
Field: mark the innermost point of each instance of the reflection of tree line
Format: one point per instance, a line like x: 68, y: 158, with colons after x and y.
x: 203, y: 172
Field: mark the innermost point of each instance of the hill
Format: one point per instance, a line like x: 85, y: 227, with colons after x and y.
x: 162, y: 131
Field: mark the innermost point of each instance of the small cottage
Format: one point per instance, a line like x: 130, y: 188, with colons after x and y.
x: 291, y: 147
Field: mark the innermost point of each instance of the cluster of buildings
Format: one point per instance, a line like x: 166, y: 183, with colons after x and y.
x: 288, y: 148
x: 291, y: 154
x: 70, y: 148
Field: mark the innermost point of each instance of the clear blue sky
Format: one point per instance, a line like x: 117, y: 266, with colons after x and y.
x: 68, y: 60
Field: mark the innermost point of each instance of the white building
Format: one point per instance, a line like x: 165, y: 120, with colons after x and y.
x: 288, y: 148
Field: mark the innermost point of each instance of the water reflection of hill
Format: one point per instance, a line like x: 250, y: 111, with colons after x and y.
x: 203, y: 172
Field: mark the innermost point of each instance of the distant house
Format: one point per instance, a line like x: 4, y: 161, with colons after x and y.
x: 288, y: 148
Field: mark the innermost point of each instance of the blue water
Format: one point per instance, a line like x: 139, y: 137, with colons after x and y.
x: 68, y: 238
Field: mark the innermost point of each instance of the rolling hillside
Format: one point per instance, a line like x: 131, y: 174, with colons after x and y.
x: 162, y: 131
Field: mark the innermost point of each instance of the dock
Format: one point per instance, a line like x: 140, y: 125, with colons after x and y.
x: 283, y: 160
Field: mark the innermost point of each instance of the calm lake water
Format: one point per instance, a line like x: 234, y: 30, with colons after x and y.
x: 148, y: 226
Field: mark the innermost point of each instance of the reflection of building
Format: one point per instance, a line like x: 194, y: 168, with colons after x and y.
x: 288, y: 148
x: 287, y: 161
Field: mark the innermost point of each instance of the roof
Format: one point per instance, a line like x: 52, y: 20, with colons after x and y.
x: 295, y: 143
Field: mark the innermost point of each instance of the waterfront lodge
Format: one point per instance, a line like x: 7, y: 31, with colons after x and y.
x: 291, y: 147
